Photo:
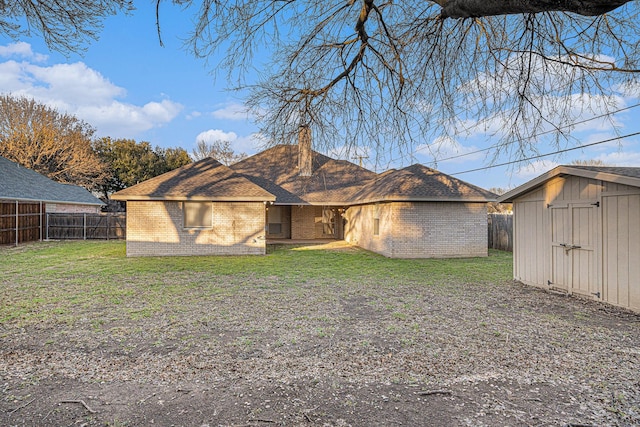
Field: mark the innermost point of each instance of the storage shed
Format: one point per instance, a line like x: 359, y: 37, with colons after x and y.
x: 577, y: 230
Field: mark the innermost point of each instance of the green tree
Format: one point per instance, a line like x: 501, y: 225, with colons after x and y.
x: 130, y: 162
x: 55, y: 144
x: 172, y: 158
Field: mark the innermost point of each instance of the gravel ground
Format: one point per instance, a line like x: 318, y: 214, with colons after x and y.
x: 330, y: 353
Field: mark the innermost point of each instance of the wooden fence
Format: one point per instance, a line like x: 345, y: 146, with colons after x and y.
x: 63, y: 226
x: 500, y: 227
x: 20, y: 222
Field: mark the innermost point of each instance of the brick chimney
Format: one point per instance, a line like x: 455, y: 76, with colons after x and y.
x: 305, y: 167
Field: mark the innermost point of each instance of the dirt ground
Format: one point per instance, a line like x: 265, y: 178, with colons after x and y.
x: 332, y: 354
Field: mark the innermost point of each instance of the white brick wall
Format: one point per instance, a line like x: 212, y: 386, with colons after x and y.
x: 71, y: 208
x: 155, y: 228
x: 420, y: 229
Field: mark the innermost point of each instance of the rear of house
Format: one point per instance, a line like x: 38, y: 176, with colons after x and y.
x: 418, y: 212
x: 577, y: 230
x: 203, y: 208
x: 292, y: 192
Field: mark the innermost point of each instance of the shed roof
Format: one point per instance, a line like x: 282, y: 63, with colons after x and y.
x: 620, y: 175
x: 20, y: 183
x: 331, y: 182
x: 206, y: 179
x: 420, y: 183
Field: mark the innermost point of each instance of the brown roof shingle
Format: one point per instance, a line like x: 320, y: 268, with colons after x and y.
x: 420, y: 183
x: 206, y: 179
x: 276, y: 170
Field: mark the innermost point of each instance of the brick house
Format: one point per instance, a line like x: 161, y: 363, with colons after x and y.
x: 293, y: 192
x: 21, y: 184
x: 203, y: 208
x: 26, y: 196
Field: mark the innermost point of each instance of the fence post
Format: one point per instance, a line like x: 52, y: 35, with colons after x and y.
x: 84, y: 226
x: 17, y: 216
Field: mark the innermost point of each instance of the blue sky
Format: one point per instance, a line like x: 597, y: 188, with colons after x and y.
x: 127, y: 86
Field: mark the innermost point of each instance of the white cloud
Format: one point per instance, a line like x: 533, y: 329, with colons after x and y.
x: 447, y: 149
x: 550, y: 100
x: 534, y: 169
x: 193, y: 115
x: 620, y: 158
x: 21, y: 50
x: 232, y: 111
x: 129, y: 119
x: 212, y: 135
x: 82, y: 91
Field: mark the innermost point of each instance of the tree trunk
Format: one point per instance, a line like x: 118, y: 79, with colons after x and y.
x: 480, y: 8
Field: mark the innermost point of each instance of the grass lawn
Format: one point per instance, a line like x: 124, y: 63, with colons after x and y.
x: 302, y: 336
x: 61, y: 281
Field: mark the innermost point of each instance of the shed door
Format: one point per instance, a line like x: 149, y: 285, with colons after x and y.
x: 573, y: 230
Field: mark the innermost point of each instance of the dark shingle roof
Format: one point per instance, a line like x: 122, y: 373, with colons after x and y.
x: 206, y: 179
x: 276, y: 169
x: 273, y: 175
x: 420, y: 183
x: 20, y: 183
x: 613, y: 170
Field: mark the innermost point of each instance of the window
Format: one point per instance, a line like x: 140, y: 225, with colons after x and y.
x: 198, y: 214
x: 274, y: 219
x: 328, y: 222
x: 376, y: 219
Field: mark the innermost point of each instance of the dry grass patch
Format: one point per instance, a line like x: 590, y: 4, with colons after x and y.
x: 326, y: 337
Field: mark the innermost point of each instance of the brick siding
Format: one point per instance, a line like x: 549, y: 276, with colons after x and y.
x: 71, y: 208
x: 156, y: 229
x: 420, y: 229
x: 303, y: 222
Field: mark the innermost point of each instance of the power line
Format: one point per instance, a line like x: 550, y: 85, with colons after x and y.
x: 548, y: 154
x: 536, y: 135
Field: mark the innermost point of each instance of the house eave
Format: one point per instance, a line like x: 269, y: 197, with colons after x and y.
x: 422, y: 199
x: 194, y: 198
x: 60, y: 202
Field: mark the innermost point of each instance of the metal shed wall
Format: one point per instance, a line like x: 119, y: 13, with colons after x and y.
x: 581, y: 236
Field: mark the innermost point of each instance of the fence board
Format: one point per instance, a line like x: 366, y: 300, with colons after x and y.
x: 29, y: 222
x: 86, y: 226
x: 500, y: 229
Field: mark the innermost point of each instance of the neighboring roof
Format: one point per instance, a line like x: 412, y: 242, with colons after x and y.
x: 620, y: 175
x: 23, y: 184
x: 420, y: 183
x: 276, y: 170
x: 206, y: 179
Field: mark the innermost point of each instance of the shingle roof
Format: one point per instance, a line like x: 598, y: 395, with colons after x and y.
x: 631, y: 172
x: 20, y: 183
x: 276, y: 170
x: 420, y: 183
x: 621, y: 175
x: 206, y: 179
x: 273, y: 175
